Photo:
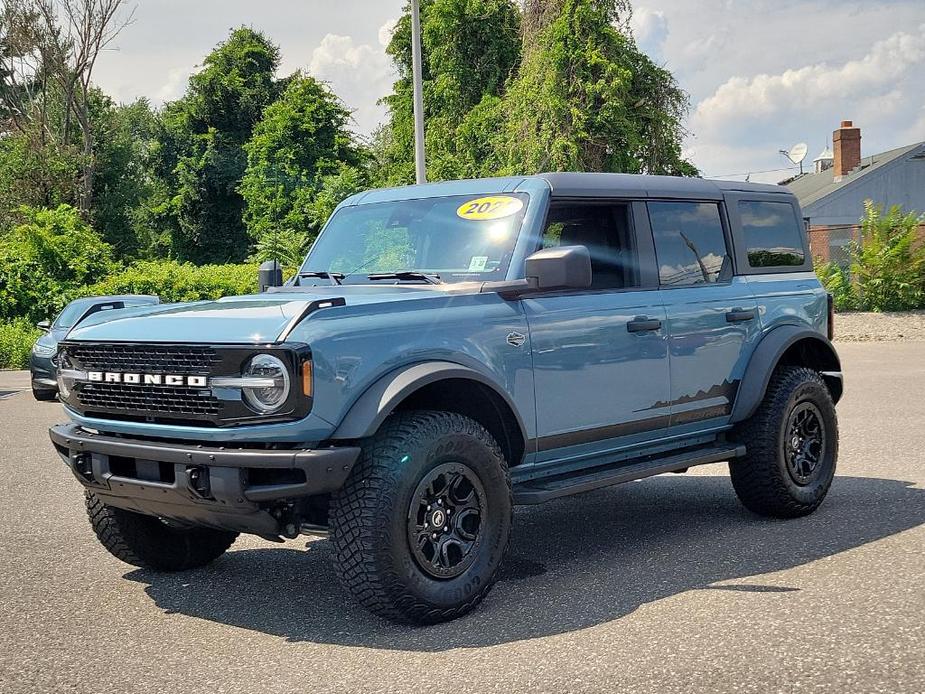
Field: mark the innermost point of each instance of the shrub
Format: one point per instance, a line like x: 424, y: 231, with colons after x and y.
x: 16, y: 340
x: 174, y: 282
x: 886, y: 270
x: 46, y: 259
x: 888, y: 264
x: 837, y: 282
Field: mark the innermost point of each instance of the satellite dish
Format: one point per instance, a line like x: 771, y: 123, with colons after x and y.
x: 798, y: 152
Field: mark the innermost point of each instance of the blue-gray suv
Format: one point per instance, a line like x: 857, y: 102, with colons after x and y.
x: 448, y: 351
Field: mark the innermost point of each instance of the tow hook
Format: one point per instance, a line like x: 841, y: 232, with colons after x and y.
x: 83, y: 465
x: 197, y: 481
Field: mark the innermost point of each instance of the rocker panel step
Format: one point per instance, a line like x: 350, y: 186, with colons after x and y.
x: 548, y: 488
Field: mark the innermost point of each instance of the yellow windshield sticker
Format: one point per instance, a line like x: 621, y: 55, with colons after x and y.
x: 492, y: 207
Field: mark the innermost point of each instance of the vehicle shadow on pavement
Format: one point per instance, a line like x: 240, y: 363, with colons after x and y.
x: 573, y: 563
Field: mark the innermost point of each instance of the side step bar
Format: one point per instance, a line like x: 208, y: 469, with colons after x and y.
x: 548, y: 488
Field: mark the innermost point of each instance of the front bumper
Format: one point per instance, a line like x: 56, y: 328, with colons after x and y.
x: 44, y: 373
x: 228, y: 488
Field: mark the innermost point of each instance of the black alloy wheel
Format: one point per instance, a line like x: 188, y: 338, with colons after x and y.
x: 804, y: 443
x: 444, y: 520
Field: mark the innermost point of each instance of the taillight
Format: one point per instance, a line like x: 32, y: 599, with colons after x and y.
x: 831, y: 327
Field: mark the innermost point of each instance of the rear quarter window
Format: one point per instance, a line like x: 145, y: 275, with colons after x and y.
x: 772, y: 234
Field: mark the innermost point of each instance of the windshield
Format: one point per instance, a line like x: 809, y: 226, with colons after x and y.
x: 456, y: 238
x: 70, y: 314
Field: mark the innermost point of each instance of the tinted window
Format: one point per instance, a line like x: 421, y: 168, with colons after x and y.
x: 604, y: 231
x: 772, y: 236
x: 689, y: 242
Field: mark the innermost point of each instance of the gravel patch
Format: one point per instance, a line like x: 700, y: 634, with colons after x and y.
x: 856, y: 326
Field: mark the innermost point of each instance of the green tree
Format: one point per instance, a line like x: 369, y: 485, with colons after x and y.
x: 587, y: 99
x: 34, y: 173
x: 199, y: 157
x: 123, y: 139
x: 47, y: 258
x: 301, y: 148
x: 471, y: 49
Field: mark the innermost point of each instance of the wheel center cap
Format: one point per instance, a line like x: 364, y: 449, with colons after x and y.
x: 438, y: 518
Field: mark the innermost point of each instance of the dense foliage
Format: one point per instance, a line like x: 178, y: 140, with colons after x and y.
x: 249, y: 164
x: 44, y: 260
x: 175, y: 282
x: 559, y: 85
x: 200, y: 158
x: 16, y: 340
x: 300, y: 142
x: 887, y: 264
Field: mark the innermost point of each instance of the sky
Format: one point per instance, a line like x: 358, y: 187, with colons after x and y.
x: 762, y: 74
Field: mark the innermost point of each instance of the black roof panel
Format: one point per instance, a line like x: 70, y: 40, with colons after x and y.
x: 636, y: 185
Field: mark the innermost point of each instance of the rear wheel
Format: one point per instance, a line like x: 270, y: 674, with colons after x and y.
x: 792, y: 446
x: 422, y: 523
x: 148, y: 542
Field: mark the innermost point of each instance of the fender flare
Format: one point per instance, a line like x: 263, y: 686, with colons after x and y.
x: 378, y: 401
x: 765, y: 358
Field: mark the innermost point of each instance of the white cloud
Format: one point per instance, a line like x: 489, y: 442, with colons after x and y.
x: 808, y: 87
x: 386, y: 31
x: 355, y: 71
x: 175, y: 85
x: 650, y: 27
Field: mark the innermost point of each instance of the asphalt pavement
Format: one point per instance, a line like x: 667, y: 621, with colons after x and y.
x: 663, y: 585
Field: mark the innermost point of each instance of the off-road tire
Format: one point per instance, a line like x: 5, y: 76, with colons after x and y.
x: 149, y: 543
x: 762, y: 479
x: 370, y: 517
x: 44, y: 395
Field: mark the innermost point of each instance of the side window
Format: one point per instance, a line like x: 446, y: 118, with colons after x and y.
x: 689, y: 242
x: 772, y: 235
x: 604, y: 229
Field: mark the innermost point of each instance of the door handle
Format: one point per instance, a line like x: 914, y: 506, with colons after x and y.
x: 738, y: 315
x: 643, y: 324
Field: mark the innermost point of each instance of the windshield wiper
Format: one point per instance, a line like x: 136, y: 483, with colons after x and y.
x: 335, y: 277
x: 406, y: 275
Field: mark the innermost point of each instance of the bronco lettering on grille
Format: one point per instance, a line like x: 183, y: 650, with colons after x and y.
x: 147, y: 379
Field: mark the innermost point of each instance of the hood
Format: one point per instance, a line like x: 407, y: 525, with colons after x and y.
x: 253, y: 319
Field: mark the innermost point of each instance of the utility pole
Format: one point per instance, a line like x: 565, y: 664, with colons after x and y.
x: 419, y: 163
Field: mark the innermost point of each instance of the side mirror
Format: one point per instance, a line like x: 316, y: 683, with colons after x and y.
x: 270, y: 274
x: 565, y: 267
x: 43, y: 325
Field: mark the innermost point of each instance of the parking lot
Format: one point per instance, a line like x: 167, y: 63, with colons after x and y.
x: 662, y: 585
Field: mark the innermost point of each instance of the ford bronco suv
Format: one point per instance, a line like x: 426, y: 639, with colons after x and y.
x: 448, y: 351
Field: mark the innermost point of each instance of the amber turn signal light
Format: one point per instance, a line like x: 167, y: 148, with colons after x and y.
x: 307, y: 380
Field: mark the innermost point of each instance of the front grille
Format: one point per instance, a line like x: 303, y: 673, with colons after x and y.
x: 148, y: 402
x: 185, y: 360
x: 153, y: 401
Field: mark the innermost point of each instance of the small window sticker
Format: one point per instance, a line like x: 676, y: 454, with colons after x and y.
x: 478, y: 263
x: 491, y: 207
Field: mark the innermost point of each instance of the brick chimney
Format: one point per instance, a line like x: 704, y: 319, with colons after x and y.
x: 846, y: 141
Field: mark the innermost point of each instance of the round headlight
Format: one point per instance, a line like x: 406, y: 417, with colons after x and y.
x: 269, y: 386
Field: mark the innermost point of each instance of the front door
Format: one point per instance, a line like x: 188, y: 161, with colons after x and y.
x: 599, y: 355
x: 712, y: 315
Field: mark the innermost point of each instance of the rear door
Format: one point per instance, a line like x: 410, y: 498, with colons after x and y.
x: 599, y: 355
x: 712, y: 315
x: 772, y: 251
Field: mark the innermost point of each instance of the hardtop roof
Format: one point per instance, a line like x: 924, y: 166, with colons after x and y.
x: 574, y: 185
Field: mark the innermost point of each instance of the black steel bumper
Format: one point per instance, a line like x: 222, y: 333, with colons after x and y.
x: 228, y: 488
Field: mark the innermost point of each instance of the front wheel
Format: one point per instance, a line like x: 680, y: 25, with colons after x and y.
x: 148, y: 542
x: 422, y: 523
x: 792, y: 446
